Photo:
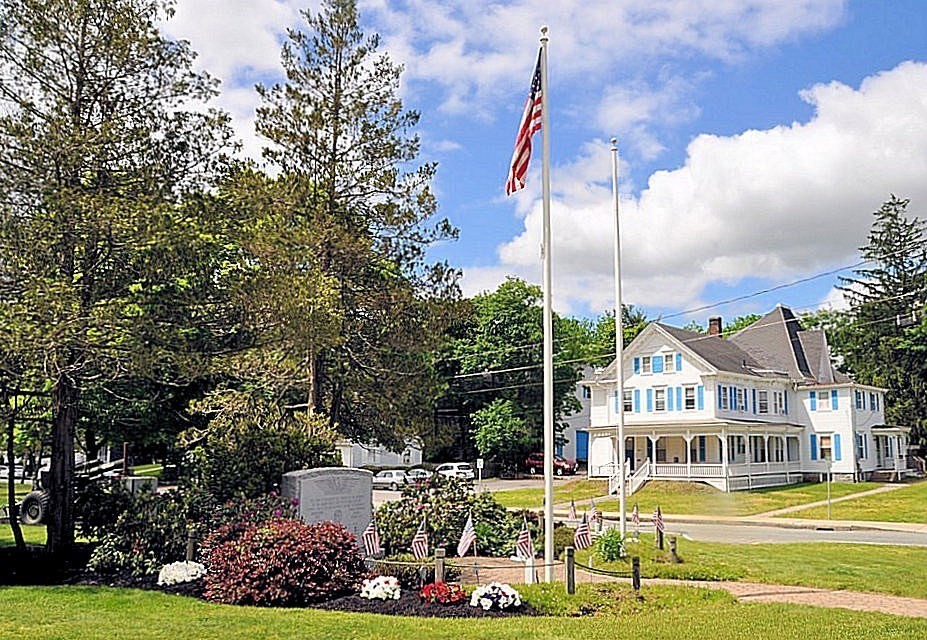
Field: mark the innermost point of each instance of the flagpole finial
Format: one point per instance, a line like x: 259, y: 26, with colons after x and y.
x: 544, y: 33
x: 614, y: 143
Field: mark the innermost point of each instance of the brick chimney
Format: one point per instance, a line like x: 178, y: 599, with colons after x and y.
x: 714, y: 326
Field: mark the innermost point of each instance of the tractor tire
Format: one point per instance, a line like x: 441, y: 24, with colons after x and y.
x: 34, y: 507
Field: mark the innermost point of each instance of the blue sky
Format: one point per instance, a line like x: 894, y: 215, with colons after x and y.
x: 756, y: 136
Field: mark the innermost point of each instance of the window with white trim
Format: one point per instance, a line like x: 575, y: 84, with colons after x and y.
x: 689, y: 393
x: 762, y: 401
x: 669, y: 363
x: 778, y: 398
x: 860, y: 446
x: 776, y: 450
x: 724, y: 399
x: 859, y: 399
x: 659, y: 399
x: 872, y: 401
x: 741, y: 401
x: 645, y: 364
x: 823, y: 400
x: 826, y: 448
x: 628, y: 404
x: 587, y: 392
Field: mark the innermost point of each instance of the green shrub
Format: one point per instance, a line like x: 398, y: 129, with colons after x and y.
x: 610, y: 546
x: 99, y: 506
x: 281, y: 563
x: 446, y: 503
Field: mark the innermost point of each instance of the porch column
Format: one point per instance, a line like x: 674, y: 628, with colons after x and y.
x: 766, y: 449
x: 688, y: 439
x: 724, y: 452
x: 653, y: 450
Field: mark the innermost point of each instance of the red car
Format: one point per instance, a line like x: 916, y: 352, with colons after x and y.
x: 534, y: 463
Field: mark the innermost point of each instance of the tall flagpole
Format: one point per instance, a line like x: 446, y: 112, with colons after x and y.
x: 548, y: 328
x: 619, y: 348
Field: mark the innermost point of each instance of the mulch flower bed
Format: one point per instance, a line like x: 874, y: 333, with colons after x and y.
x: 410, y: 604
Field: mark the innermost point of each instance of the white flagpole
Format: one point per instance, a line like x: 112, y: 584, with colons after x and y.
x: 619, y: 348
x: 548, y: 329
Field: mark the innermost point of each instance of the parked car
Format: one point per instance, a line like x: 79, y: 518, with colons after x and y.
x: 389, y: 479
x: 417, y: 475
x: 534, y: 463
x: 456, y: 470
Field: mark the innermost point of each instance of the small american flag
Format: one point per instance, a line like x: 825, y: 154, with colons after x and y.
x: 572, y: 515
x: 530, y: 123
x: 523, y: 546
x: 420, y: 542
x: 636, y: 520
x: 581, y: 537
x: 657, y: 520
x: 371, y: 539
x: 594, y: 513
x: 467, y: 538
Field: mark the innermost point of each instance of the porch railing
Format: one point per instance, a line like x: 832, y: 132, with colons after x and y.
x: 639, y: 477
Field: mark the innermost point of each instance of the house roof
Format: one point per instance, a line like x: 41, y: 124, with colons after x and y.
x: 720, y: 353
x: 778, y: 342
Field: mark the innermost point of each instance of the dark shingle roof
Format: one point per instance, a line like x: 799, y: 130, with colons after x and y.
x: 718, y: 352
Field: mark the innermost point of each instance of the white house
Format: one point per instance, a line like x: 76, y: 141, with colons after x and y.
x: 356, y: 454
x: 575, y: 444
x: 763, y: 407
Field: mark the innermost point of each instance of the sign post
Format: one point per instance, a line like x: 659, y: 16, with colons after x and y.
x: 479, y: 474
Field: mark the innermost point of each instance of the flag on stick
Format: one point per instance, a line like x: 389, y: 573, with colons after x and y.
x: 581, y: 538
x: 572, y: 515
x: 467, y: 538
x: 657, y: 520
x: 594, y: 514
x: 420, y: 542
x: 636, y: 521
x: 530, y: 123
x: 371, y: 539
x: 523, y: 546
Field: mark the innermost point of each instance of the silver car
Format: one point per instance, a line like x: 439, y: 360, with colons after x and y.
x: 390, y: 479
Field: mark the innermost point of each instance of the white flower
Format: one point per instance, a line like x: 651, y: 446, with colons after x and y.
x: 381, y: 588
x: 179, y: 572
x: 495, y: 594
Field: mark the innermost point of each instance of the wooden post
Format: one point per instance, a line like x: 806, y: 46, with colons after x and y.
x: 636, y: 573
x: 439, y: 564
x: 570, y: 570
x: 191, y: 545
x: 672, y: 549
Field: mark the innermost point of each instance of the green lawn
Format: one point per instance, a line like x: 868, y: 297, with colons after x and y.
x: 895, y: 570
x: 907, y: 504
x: 83, y: 613
x: 685, y: 498
x: 32, y: 534
x: 534, y: 497
x: 147, y: 470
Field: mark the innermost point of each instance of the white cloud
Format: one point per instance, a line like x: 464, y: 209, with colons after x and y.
x: 775, y: 203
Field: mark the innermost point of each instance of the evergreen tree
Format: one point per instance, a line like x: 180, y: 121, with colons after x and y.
x: 885, y: 341
x: 100, y: 226
x: 341, y: 305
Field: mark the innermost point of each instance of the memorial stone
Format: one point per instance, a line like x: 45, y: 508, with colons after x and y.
x: 338, y: 494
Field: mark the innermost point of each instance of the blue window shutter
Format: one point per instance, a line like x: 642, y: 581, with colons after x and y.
x: 637, y: 365
x: 785, y: 401
x: 833, y: 401
x: 732, y: 394
x: 814, y: 401
x: 679, y: 406
x: 754, y: 401
x: 814, y: 445
x: 637, y: 401
x: 718, y: 387
x: 678, y: 362
x: 649, y: 400
x: 837, y: 455
x: 617, y: 406
x: 656, y: 363
x: 701, y: 396
x: 670, y: 405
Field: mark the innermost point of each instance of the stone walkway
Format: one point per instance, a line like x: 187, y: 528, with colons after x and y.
x: 506, y: 570
x: 823, y: 503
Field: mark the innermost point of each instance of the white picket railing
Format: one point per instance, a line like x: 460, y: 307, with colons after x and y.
x: 639, y: 477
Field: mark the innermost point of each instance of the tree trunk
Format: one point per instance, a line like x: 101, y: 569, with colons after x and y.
x: 60, y: 525
x: 11, y: 486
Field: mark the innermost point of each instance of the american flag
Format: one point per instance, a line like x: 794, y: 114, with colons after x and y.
x: 572, y: 510
x: 594, y: 513
x: 581, y: 538
x: 523, y: 545
x: 371, y: 539
x: 635, y: 516
x: 530, y: 123
x: 420, y: 542
x: 657, y: 520
x: 467, y: 538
